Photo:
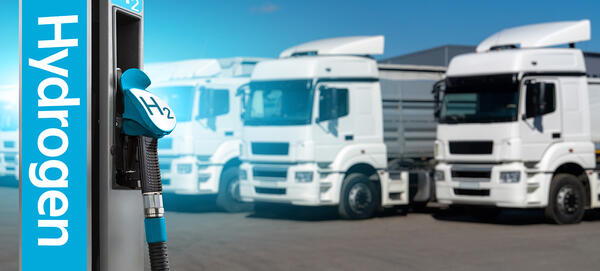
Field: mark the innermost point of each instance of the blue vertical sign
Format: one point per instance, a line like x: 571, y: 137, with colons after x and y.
x: 54, y: 121
x: 131, y: 5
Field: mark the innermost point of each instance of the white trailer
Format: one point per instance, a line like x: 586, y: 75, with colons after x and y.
x: 9, y: 134
x: 326, y: 125
x: 516, y: 124
x: 201, y: 157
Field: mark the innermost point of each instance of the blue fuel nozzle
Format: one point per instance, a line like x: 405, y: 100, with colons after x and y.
x: 144, y: 113
x: 148, y: 118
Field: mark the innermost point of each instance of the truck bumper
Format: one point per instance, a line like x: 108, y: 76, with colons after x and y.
x: 277, y: 183
x: 186, y: 176
x: 531, y: 191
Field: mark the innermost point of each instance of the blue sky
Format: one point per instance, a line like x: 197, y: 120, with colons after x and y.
x: 182, y: 29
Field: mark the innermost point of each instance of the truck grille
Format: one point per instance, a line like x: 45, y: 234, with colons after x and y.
x: 8, y: 158
x: 472, y: 192
x: 270, y: 191
x: 471, y: 174
x: 270, y: 148
x: 471, y: 147
x: 270, y: 174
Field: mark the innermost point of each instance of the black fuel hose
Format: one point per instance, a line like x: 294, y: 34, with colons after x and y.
x: 156, y: 232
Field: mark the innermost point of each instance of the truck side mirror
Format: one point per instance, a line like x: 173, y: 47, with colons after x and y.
x: 438, y: 91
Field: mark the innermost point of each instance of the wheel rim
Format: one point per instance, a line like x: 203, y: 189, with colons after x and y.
x: 360, y: 198
x: 234, y: 190
x: 567, y: 201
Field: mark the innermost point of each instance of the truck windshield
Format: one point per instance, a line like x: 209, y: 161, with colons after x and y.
x: 480, y: 99
x: 279, y: 103
x: 179, y: 98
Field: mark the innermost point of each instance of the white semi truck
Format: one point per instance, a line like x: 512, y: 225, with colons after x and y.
x: 9, y: 134
x: 326, y: 125
x: 201, y: 157
x: 518, y: 124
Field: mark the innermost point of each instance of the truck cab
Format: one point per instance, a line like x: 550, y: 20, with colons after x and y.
x: 201, y: 157
x: 515, y: 126
x: 313, y: 130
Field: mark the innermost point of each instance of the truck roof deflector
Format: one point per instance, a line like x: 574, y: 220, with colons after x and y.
x: 539, y: 35
x: 359, y: 45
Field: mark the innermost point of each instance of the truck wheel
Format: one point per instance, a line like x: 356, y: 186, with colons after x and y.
x: 229, y: 198
x: 566, y: 204
x: 359, y: 197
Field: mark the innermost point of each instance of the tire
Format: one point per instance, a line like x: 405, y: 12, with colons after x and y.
x: 229, y: 198
x: 566, y: 203
x: 359, y: 198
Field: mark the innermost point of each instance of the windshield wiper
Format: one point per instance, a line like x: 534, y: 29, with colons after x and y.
x: 454, y: 118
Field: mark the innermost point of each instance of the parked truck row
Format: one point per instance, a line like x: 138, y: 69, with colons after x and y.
x: 511, y: 125
x: 516, y: 129
x: 203, y: 155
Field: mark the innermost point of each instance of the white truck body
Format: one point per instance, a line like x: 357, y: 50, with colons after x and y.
x: 291, y: 155
x: 494, y: 148
x: 9, y: 134
x: 206, y: 95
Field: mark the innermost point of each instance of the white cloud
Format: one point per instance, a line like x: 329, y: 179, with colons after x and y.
x: 265, y: 8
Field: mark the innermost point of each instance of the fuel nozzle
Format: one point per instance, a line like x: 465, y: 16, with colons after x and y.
x: 148, y: 118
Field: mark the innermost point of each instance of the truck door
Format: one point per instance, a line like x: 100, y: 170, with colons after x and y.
x: 333, y: 129
x: 212, y: 115
x: 540, y: 124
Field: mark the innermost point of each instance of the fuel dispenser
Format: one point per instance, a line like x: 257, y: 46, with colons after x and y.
x: 89, y: 177
x: 144, y: 119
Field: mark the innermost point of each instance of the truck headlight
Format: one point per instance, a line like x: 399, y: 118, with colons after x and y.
x: 243, y: 175
x: 184, y: 168
x: 304, y: 177
x: 439, y: 176
x: 510, y: 176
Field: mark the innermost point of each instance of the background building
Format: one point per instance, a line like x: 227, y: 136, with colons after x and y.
x: 441, y: 56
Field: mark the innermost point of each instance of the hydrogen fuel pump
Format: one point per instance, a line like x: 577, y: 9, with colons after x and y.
x: 88, y: 150
x: 146, y: 118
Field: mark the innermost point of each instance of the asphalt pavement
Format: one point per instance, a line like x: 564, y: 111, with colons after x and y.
x: 201, y: 237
